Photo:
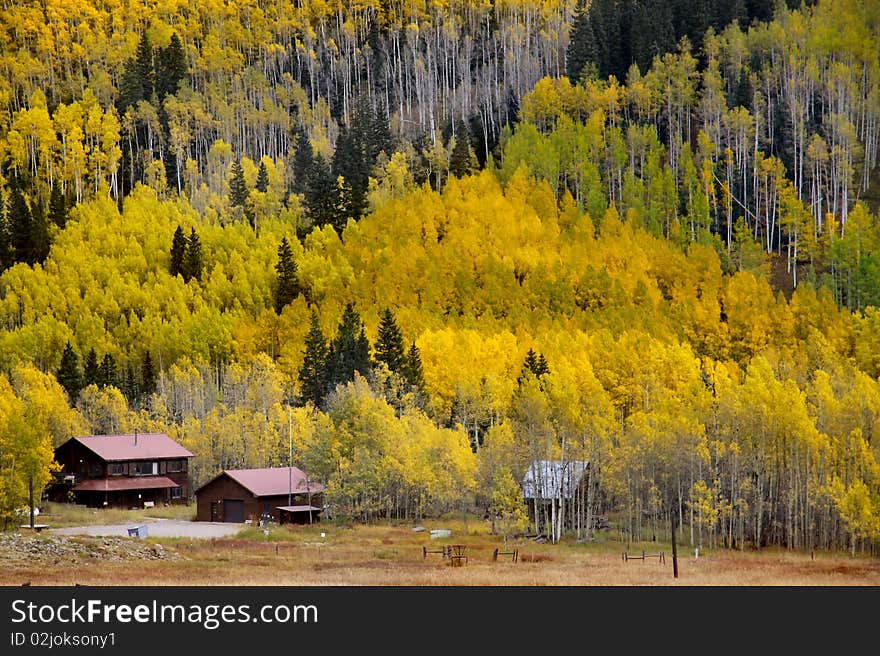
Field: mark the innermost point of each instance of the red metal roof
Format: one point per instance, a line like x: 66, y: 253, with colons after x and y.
x: 273, y: 481
x: 140, y: 446
x: 124, y: 483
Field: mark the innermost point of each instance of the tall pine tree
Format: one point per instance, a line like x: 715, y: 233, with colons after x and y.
x: 349, y: 162
x: 178, y: 252
x: 287, y: 283
x: 580, y: 55
x: 107, y: 374
x: 349, y: 350
x: 192, y: 260
x: 535, y: 364
x: 148, y: 375
x: 170, y: 67
x: 91, y: 369
x: 129, y: 386
x: 389, y: 343
x: 138, y: 77
x: 40, y: 242
x: 313, y: 372
x: 20, y: 226
x: 412, y: 373
x: 57, y: 206
x: 262, y: 183
x: 461, y: 160
x: 144, y: 66
x: 321, y: 194
x: 238, y: 189
x: 303, y: 161
x: 379, y: 139
x: 68, y: 374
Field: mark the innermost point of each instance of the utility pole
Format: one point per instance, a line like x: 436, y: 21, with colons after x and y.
x: 31, y: 498
x: 309, y: 492
x: 674, y: 550
x: 289, y: 456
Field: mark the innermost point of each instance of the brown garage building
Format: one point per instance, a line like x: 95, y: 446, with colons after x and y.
x: 284, y: 494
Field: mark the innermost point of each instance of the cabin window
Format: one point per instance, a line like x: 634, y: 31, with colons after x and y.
x: 176, y: 492
x: 117, y: 469
x: 145, y: 468
x: 176, y: 465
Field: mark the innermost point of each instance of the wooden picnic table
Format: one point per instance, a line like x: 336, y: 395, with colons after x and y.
x: 458, y: 554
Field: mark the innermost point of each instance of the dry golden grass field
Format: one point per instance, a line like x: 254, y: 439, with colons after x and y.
x: 379, y: 555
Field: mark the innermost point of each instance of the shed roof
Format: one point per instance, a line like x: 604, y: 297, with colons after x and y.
x: 271, y: 481
x: 544, y: 479
x: 137, y: 446
x: 124, y: 483
x: 293, y: 509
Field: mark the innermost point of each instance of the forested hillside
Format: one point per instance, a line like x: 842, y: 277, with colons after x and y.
x: 431, y: 242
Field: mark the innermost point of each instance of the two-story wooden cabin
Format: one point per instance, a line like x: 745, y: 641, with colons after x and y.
x: 122, y: 471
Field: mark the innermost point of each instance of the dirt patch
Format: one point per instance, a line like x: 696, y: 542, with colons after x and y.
x: 536, y: 558
x: 363, y: 564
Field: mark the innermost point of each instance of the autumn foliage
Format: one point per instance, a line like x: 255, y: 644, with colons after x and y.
x: 682, y: 251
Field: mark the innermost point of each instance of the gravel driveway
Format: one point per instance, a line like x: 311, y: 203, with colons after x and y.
x: 158, y: 528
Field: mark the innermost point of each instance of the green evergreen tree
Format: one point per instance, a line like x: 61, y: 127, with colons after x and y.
x: 148, y: 376
x: 129, y: 387
x: 303, y: 162
x: 350, y: 163
x: 238, y: 189
x: 91, y: 369
x: 313, y: 372
x: 461, y: 160
x: 262, y: 184
x: 760, y: 10
x: 652, y: 32
x: 541, y: 366
x: 138, y: 77
x: 581, y: 50
x: 610, y: 23
x: 170, y: 67
x: 107, y: 373
x: 379, y: 140
x: 530, y: 364
x: 68, y: 374
x: 321, y: 194
x: 412, y: 371
x: 57, y: 206
x: 192, y: 260
x: 178, y: 252
x: 363, y: 363
x: 20, y: 227
x: 349, y: 351
x: 535, y: 364
x: 132, y: 88
x: 389, y: 343
x: 144, y: 66
x: 287, y: 283
x: 40, y: 242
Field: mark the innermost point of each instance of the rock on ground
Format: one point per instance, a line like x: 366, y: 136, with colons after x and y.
x: 26, y: 549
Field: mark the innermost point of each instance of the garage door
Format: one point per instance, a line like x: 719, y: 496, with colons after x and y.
x: 233, y: 511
